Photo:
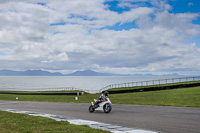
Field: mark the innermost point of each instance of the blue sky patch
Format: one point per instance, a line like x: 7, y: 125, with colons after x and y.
x: 41, y: 3
x: 112, y: 5
x: 124, y: 6
x: 184, y: 6
x: 81, y: 17
x: 197, y: 21
x: 120, y: 27
x: 59, y: 23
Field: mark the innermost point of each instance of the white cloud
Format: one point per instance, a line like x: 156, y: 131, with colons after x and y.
x: 181, y: 23
x: 135, y: 14
x: 56, y: 58
x: 73, y: 34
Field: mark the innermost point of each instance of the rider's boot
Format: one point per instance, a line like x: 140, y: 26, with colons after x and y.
x: 96, y: 105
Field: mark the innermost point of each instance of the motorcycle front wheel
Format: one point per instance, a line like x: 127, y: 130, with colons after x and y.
x: 91, y: 109
x: 107, y: 108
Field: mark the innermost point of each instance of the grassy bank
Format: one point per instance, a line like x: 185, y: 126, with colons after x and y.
x: 17, y: 123
x: 186, y: 97
x: 161, y: 85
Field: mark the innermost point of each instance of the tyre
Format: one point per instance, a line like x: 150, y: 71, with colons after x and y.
x: 91, y: 109
x: 107, y: 108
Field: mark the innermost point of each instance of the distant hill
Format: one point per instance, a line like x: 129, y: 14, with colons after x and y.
x: 10, y: 73
x: 91, y: 73
x: 41, y: 73
x: 28, y: 73
x: 76, y: 73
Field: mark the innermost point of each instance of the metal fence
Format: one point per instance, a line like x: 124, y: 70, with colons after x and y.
x: 64, y: 89
x: 151, y: 82
x: 45, y: 89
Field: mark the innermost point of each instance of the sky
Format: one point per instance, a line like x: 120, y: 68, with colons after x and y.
x: 111, y: 36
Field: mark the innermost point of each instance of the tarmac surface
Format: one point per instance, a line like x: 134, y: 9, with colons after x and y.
x: 151, y: 118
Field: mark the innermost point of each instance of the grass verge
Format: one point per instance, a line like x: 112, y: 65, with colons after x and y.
x: 17, y: 123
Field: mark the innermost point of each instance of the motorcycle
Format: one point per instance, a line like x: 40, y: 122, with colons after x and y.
x: 105, y: 106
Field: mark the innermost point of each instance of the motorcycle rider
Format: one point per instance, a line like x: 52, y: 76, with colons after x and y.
x: 102, y: 98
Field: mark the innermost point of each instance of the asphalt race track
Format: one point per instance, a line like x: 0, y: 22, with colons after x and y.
x: 155, y: 118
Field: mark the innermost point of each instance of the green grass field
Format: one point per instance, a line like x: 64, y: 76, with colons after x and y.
x: 22, y: 123
x: 185, y: 97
